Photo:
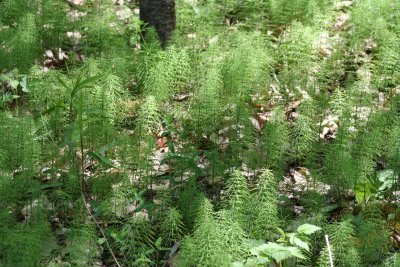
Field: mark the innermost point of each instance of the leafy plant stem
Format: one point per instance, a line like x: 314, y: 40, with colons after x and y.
x: 82, y: 180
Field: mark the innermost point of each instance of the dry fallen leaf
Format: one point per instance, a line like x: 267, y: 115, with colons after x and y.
x: 77, y: 2
x: 256, y: 124
x: 161, y: 142
x: 49, y: 54
x: 330, y: 127
x: 75, y: 14
x: 124, y: 13
x: 369, y: 45
x: 341, y: 21
x: 182, y: 96
x: 343, y: 4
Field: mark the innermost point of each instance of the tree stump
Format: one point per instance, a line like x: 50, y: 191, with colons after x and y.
x: 159, y: 14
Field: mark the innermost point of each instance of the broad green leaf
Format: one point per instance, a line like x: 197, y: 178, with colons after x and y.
x: 105, y: 161
x: 98, y: 112
x: 63, y: 83
x: 281, y: 240
x: 51, y: 110
x: 291, y: 237
x: 51, y: 185
x: 300, y: 243
x: 237, y: 264
x: 3, y: 77
x: 14, y: 84
x: 171, y: 146
x: 79, y: 85
x: 275, y: 251
x: 363, y: 191
x: 105, y: 148
x: 14, y: 72
x: 6, y: 98
x: 89, y: 80
x: 330, y: 208
x: 256, y: 250
x: 385, y: 175
x: 255, y: 262
x: 24, y: 85
x: 307, y: 229
x: 295, y: 252
x: 141, y: 192
x: 280, y: 231
x: 259, y: 260
x: 388, y: 178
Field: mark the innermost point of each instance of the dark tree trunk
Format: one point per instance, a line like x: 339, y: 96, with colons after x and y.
x: 161, y: 15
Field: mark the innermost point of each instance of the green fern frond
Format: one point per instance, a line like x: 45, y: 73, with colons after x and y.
x: 168, y: 75
x: 24, y: 244
x: 205, y: 247
x: 206, y: 110
x: 148, y: 119
x: 265, y: 220
x: 172, y: 226
x: 373, y: 143
x: 374, y: 236
x: 323, y: 259
x: 387, y: 72
x: 25, y: 42
x: 305, y: 132
x: 285, y: 11
x: 341, y: 103
x: 392, y: 261
x: 339, y: 165
x: 237, y: 193
x: 247, y: 66
x: 189, y: 202
x: 232, y: 234
x: 276, y: 142
x: 19, y: 144
x: 297, y: 54
x: 136, y: 241
x: 370, y: 20
x: 81, y: 245
x: 342, y: 238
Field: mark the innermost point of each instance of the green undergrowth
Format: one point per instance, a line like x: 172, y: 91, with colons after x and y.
x: 262, y: 127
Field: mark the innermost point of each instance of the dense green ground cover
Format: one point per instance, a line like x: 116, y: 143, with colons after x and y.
x: 262, y: 127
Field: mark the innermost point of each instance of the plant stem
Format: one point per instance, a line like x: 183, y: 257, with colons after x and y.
x: 329, y: 250
x: 83, y: 186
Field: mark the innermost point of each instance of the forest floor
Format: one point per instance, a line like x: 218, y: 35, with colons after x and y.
x: 248, y: 139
